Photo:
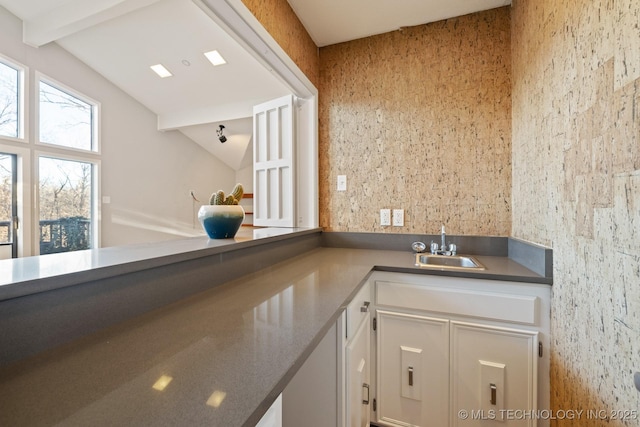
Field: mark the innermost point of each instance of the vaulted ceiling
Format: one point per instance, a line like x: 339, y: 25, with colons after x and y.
x: 121, y: 39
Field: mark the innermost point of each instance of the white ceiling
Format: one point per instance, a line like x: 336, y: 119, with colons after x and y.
x: 121, y: 39
x: 237, y: 152
x: 335, y: 21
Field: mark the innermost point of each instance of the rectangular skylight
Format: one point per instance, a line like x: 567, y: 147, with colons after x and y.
x: 215, y: 58
x: 161, y: 71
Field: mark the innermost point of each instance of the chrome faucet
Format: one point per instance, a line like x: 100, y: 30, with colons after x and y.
x: 443, y: 250
x: 419, y: 247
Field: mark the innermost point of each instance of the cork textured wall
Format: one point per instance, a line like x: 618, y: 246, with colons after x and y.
x: 277, y: 17
x: 420, y: 120
x: 576, y: 187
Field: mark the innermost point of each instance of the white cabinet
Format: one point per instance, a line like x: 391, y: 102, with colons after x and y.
x: 459, y: 352
x: 413, y: 369
x: 356, y: 354
x: 495, y: 375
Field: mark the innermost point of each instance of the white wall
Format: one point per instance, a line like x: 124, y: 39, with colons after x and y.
x: 245, y: 177
x: 146, y: 173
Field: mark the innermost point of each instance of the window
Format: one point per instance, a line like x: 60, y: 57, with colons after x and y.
x: 10, y: 100
x: 66, y: 119
x: 67, y: 178
x: 62, y: 145
x: 66, y: 199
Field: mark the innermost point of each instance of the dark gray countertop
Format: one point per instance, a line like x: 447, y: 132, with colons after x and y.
x: 29, y: 275
x: 228, y: 351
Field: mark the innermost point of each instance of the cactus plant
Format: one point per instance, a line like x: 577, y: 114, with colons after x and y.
x: 219, y: 198
x: 237, y: 192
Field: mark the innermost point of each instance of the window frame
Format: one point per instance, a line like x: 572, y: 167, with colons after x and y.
x: 95, y: 115
x: 22, y: 94
x: 95, y: 194
x: 25, y: 212
x: 61, y: 152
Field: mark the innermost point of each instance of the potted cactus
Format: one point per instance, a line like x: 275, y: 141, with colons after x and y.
x: 222, y: 217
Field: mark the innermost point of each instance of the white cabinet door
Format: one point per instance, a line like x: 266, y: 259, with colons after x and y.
x: 495, y: 375
x: 357, y: 375
x: 413, y: 370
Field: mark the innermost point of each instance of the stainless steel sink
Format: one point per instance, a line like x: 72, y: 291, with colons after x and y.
x: 449, y: 262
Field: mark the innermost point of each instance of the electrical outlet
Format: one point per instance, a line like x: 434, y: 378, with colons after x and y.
x: 398, y: 217
x: 342, y: 182
x: 385, y: 217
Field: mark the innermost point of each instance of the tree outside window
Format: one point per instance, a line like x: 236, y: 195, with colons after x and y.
x: 9, y: 100
x: 65, y: 205
x: 65, y: 119
x: 66, y: 186
x: 6, y: 197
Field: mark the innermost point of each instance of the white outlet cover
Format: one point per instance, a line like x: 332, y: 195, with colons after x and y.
x: 385, y: 217
x: 342, y: 182
x: 398, y: 217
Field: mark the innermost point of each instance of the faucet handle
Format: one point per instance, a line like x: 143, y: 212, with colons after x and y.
x: 434, y: 247
x: 452, y: 248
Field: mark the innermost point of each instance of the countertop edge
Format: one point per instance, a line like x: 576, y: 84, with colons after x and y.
x: 128, y: 259
x: 466, y: 274
x: 137, y: 263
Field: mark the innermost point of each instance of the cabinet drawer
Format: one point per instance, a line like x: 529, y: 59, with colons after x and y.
x: 358, y: 308
x: 488, y: 305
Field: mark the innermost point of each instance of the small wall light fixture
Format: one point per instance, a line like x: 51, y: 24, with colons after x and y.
x: 221, y: 137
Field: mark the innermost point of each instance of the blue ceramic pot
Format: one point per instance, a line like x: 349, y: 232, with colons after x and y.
x: 221, y: 221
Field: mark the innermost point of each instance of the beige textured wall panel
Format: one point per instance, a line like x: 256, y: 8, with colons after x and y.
x: 419, y: 120
x: 576, y: 187
x: 277, y: 17
x: 627, y: 42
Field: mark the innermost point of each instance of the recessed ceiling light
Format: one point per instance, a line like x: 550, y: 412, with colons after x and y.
x: 161, y: 71
x: 215, y: 58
